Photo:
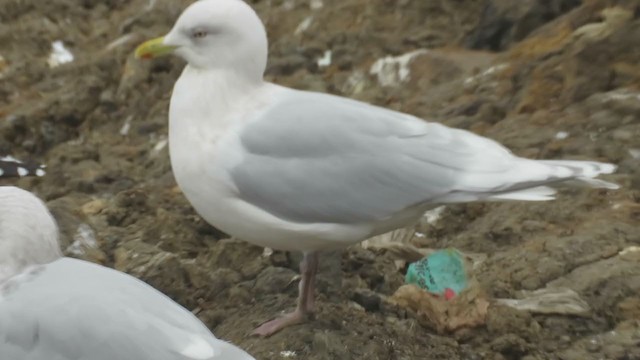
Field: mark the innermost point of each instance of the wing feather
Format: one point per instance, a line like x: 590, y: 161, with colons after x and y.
x: 72, y: 309
x: 320, y: 158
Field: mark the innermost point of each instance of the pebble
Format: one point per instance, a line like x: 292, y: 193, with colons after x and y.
x: 274, y: 280
x: 622, y: 135
x: 369, y: 300
x: 93, y: 207
x: 593, y: 345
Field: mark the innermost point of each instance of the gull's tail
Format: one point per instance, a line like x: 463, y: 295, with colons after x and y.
x: 557, y: 172
x: 586, y: 172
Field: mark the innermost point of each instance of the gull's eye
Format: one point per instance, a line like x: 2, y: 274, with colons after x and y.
x: 199, y: 34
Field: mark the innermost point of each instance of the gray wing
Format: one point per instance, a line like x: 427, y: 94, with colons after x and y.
x: 71, y: 309
x: 320, y: 158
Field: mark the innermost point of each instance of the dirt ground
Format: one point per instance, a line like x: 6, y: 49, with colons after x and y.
x: 548, y: 78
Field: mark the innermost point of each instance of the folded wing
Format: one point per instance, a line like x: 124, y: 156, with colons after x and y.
x: 319, y: 158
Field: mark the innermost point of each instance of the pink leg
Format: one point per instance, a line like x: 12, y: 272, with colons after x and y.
x: 311, y: 285
x: 308, y: 269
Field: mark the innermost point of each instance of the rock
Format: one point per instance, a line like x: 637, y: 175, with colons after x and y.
x: 222, y: 280
x: 619, y: 343
x: 242, y: 293
x: 235, y: 254
x: 504, y: 22
x: 502, y: 320
x: 368, y: 299
x: 510, y: 345
x: 162, y: 270
x: 94, y: 207
x: 66, y: 211
x: 329, y: 344
x: 275, y: 280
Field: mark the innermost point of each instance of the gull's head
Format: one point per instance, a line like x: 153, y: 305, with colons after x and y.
x: 215, y: 34
x: 28, y: 232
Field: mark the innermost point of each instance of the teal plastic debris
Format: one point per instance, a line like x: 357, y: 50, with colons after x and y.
x: 442, y: 272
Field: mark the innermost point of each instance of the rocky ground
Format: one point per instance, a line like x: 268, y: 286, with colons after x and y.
x: 548, y: 78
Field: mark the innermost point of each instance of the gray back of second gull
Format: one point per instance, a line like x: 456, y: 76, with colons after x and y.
x: 75, y: 310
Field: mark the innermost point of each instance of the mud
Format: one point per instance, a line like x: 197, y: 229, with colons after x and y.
x: 553, y: 79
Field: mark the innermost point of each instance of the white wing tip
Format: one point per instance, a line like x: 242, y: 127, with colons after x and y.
x: 539, y: 193
x: 584, y: 171
x: 598, y: 183
x: 606, y: 168
x: 612, y: 167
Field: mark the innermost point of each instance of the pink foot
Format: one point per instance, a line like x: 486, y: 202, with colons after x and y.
x: 273, y: 326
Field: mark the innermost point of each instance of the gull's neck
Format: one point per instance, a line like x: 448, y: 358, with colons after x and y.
x: 232, y: 81
x: 212, y: 98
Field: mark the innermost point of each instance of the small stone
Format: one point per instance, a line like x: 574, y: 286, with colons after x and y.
x: 369, y: 300
x: 240, y: 294
x: 93, y: 207
x: 593, y: 345
x: 235, y: 254
x: 222, y: 279
x: 274, y: 280
x: 330, y: 344
x: 510, y: 344
x: 622, y: 135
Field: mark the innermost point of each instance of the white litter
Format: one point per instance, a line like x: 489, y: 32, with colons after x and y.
x: 432, y: 216
x: 267, y: 252
x: 325, y: 60
x: 59, y: 54
x: 304, y: 25
x: 287, y: 354
x: 124, y: 130
x: 392, y: 71
x: 483, y: 75
x: 629, y: 250
x: 84, y: 238
x: 123, y: 40
x: 563, y: 301
x: 161, y: 144
x: 561, y: 135
x: 620, y: 95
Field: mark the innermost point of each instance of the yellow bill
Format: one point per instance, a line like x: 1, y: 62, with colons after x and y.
x: 153, y: 48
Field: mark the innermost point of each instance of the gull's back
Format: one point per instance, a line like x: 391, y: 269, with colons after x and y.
x: 72, y: 309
